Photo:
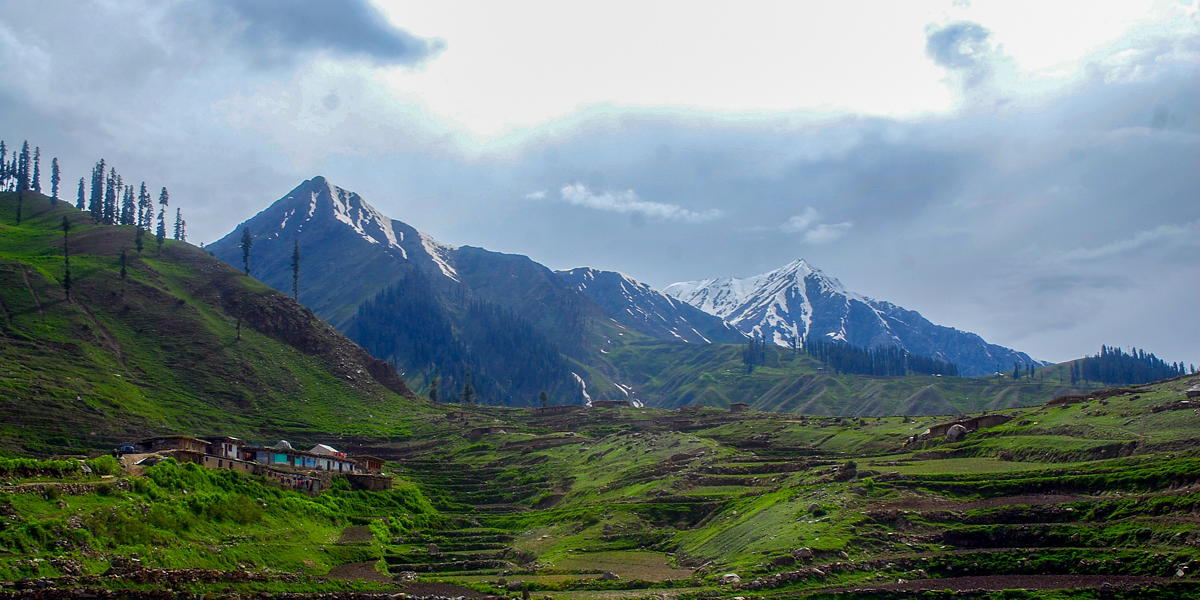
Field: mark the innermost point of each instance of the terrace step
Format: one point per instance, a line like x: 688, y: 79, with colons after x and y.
x: 443, y: 567
x: 426, y: 558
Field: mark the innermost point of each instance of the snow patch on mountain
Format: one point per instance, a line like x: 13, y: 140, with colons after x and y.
x: 797, y: 301
x: 587, y: 398
x: 436, y: 251
x: 635, y: 305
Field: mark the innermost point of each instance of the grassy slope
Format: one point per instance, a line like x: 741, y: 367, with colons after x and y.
x: 673, y: 375
x: 1103, y: 487
x: 1107, y: 487
x: 159, y: 353
x: 740, y: 493
x: 185, y: 516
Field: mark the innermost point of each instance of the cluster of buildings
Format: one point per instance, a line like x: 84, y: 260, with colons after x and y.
x: 307, y: 470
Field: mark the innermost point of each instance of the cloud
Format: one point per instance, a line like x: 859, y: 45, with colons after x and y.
x: 1138, y: 240
x: 963, y: 48
x: 826, y: 232
x: 274, y: 30
x: 800, y: 222
x: 628, y: 202
x: 537, y: 195
x: 812, y: 232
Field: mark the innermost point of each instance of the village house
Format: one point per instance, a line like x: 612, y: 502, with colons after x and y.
x: 964, y: 426
x: 282, y: 464
x: 172, y: 442
x: 738, y: 407
x: 320, y: 458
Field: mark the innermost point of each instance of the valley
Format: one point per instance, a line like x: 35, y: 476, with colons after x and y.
x: 774, y: 479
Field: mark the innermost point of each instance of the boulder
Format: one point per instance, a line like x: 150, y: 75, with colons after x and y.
x: 729, y: 578
x: 956, y: 433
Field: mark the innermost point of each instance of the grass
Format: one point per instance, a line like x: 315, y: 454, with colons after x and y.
x: 187, y: 516
x: 160, y: 351
x: 668, y: 500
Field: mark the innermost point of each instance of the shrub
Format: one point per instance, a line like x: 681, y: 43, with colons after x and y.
x: 104, y: 465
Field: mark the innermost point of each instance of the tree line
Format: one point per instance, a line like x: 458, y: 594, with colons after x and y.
x: 845, y: 358
x: 473, y: 351
x: 111, y: 201
x: 1116, y: 366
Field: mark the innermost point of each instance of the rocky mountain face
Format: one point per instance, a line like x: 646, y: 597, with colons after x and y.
x: 797, y: 302
x: 503, y: 323
x: 639, y: 307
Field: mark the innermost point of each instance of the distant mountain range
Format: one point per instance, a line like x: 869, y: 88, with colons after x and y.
x: 798, y: 301
x: 512, y: 328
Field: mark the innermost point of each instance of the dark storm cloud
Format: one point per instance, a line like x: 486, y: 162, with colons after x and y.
x: 275, y: 29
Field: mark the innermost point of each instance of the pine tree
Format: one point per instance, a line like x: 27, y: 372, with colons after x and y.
x: 37, y: 169
x: 127, y: 207
x: 296, y: 270
x: 23, y: 165
x: 183, y: 230
x: 96, y: 198
x: 22, y: 179
x: 145, y: 209
x: 246, y: 244
x: 3, y: 166
x: 468, y: 393
x: 160, y: 235
x: 110, y: 198
x: 543, y: 399
x: 138, y: 241
x: 178, y: 223
x: 433, y: 389
x: 66, y: 283
x: 55, y: 178
x: 79, y: 200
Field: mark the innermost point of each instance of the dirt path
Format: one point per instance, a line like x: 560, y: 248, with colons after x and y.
x: 362, y: 570
x: 941, y: 504
x: 1013, y: 582
x: 356, y: 534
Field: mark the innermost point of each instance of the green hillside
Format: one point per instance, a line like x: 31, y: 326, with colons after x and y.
x: 673, y: 375
x: 159, y: 351
x: 1092, y: 499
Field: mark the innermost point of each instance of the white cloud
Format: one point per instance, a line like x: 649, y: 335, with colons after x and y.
x: 800, y: 222
x: 814, y: 233
x: 826, y: 232
x: 1135, y: 241
x: 537, y: 195
x: 629, y: 202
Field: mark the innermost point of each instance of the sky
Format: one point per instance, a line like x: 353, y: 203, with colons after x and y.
x: 1028, y: 171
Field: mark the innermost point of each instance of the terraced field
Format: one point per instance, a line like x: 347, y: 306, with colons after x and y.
x: 1099, y: 497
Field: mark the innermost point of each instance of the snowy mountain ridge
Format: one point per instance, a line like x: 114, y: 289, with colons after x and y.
x: 790, y: 304
x: 638, y: 306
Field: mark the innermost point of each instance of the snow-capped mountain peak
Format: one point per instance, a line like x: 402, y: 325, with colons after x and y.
x: 317, y: 213
x: 797, y: 301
